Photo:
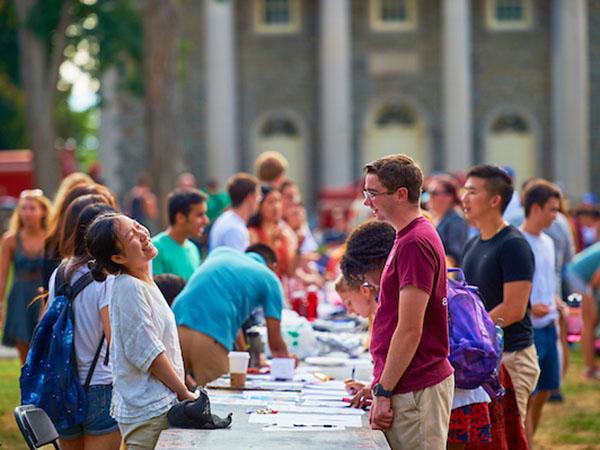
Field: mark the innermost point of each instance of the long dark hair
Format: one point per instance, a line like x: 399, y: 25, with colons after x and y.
x: 102, y: 243
x: 256, y: 219
x: 80, y: 254
x: 70, y: 220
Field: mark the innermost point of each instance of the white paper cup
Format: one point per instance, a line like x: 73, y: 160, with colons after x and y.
x: 238, y: 362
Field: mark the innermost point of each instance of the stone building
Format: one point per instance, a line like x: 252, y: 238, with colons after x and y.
x: 335, y: 83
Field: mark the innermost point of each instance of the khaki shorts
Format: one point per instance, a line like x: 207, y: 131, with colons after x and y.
x: 421, y: 418
x: 143, y: 435
x: 524, y: 370
x: 203, y: 356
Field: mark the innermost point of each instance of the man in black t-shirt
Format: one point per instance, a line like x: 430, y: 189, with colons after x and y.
x: 500, y: 262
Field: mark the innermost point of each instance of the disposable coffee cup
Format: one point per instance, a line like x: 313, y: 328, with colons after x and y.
x: 238, y: 364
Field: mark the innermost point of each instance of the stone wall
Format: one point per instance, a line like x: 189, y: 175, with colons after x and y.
x: 512, y: 69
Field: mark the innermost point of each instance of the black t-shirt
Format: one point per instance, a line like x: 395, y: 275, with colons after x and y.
x: 489, y: 264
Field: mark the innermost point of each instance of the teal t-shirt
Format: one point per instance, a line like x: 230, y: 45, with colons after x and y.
x: 224, y: 291
x: 586, y: 262
x: 173, y: 257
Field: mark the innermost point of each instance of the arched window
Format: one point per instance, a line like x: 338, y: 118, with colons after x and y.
x: 395, y: 127
x: 281, y: 132
x: 396, y: 115
x: 510, y: 141
x: 281, y: 126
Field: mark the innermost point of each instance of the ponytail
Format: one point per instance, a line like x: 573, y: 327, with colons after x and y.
x: 102, y: 243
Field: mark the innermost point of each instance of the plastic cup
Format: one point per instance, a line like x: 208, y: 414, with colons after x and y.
x: 238, y: 365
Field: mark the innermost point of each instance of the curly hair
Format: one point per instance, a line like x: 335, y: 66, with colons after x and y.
x: 367, y: 249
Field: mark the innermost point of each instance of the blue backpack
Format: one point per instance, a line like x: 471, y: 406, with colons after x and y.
x: 475, y: 346
x: 49, y: 378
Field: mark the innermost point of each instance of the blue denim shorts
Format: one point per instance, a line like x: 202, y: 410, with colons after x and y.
x: 547, y: 350
x: 98, y: 420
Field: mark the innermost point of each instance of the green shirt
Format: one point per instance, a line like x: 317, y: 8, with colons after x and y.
x: 173, y: 257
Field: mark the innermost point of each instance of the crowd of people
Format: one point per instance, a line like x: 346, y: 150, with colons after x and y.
x: 172, y: 306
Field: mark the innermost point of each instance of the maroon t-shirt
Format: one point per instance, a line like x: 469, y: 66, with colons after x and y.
x: 417, y: 259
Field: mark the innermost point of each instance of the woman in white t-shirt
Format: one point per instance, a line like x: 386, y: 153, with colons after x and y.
x: 147, y: 363
x: 90, y: 308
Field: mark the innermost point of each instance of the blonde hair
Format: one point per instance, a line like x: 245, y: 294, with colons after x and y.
x: 269, y: 166
x: 343, y: 285
x: 16, y: 223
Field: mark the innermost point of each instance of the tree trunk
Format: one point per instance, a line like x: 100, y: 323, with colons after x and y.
x: 161, y: 37
x: 39, y: 73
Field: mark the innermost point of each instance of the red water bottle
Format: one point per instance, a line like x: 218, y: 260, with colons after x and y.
x: 312, y: 302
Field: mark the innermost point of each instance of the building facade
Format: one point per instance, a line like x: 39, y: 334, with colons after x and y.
x: 333, y: 84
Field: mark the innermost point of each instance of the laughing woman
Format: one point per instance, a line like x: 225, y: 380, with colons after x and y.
x: 147, y: 364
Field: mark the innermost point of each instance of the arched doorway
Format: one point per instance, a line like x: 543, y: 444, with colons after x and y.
x: 395, y: 127
x: 510, y: 141
x: 282, y: 133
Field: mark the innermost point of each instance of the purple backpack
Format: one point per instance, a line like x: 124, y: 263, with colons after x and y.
x: 475, y: 347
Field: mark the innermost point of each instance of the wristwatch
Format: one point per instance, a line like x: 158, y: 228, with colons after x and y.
x: 379, y: 391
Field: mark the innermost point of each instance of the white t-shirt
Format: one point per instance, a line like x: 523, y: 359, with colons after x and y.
x: 229, y: 230
x: 143, y: 326
x: 464, y: 397
x: 88, y: 326
x: 544, y: 278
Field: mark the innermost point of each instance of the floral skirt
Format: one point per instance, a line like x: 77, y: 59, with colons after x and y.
x: 470, y: 424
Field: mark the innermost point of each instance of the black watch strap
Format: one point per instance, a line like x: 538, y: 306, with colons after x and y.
x: 379, y: 391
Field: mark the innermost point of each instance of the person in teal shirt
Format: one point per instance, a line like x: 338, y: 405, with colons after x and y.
x: 178, y: 255
x: 216, y: 301
x: 583, y: 275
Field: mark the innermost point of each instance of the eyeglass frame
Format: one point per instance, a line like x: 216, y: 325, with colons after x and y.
x: 368, y: 195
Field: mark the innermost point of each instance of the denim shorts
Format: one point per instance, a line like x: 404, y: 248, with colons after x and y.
x: 547, y: 350
x: 98, y: 420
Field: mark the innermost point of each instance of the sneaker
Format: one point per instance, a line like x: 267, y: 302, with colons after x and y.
x: 592, y: 374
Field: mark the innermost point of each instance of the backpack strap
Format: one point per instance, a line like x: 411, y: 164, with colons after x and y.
x: 80, y: 285
x: 88, y: 379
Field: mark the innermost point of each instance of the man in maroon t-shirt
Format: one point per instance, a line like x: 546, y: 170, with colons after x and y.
x: 413, y: 379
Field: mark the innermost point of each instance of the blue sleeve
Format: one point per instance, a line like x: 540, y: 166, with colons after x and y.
x: 273, y: 296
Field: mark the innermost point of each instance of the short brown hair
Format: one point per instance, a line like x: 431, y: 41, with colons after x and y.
x: 240, y: 186
x: 497, y: 182
x: 269, y: 166
x: 397, y: 171
x: 538, y: 193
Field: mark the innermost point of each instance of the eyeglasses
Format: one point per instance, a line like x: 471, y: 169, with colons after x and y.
x: 370, y: 195
x: 368, y: 285
x: 31, y: 193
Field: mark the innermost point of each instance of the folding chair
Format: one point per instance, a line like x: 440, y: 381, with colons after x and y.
x: 36, y: 427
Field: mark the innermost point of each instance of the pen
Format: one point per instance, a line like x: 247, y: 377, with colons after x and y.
x: 353, y: 372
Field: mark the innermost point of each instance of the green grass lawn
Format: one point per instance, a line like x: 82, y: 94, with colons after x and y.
x: 574, y: 424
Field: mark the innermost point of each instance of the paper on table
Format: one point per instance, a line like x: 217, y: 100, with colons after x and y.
x: 237, y: 401
x: 289, y: 408
x: 323, y: 392
x: 273, y: 396
x: 280, y: 385
x: 283, y: 419
x: 325, y: 403
x: 331, y: 385
x: 310, y: 428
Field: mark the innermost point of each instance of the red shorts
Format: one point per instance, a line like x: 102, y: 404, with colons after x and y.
x: 470, y: 424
